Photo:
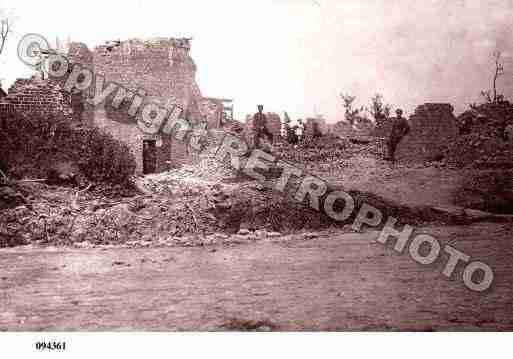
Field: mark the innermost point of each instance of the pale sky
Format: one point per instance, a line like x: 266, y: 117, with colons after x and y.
x: 299, y: 55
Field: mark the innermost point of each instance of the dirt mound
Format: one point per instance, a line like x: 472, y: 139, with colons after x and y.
x: 252, y: 205
x: 177, y: 208
x: 488, y: 190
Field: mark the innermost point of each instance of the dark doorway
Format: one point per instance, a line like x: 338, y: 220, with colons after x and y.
x: 149, y: 156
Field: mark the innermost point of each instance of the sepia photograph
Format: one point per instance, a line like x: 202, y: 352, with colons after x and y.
x: 226, y: 168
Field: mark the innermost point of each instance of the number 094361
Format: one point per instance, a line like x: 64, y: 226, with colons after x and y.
x: 51, y: 345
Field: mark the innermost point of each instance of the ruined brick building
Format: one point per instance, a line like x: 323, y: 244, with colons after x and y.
x: 164, y: 71
x: 161, y: 69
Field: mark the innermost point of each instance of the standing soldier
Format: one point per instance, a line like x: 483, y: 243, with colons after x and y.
x: 400, y: 128
x: 284, y: 129
x: 289, y: 131
x: 285, y: 126
x: 260, y: 127
x: 300, y: 131
x: 293, y: 135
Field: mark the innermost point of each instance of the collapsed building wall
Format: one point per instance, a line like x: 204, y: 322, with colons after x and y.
x: 432, y: 127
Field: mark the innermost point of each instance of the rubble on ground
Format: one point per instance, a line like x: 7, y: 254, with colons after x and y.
x: 332, y: 150
x: 482, y: 142
x: 203, y: 203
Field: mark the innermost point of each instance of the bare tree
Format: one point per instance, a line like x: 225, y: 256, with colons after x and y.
x: 351, y: 114
x: 5, y: 30
x: 379, y: 109
x: 499, y: 71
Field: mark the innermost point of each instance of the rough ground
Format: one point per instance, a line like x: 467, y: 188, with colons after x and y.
x: 336, y: 282
x: 170, y: 259
x: 362, y: 167
x: 209, y: 197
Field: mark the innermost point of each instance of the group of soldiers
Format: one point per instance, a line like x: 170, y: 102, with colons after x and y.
x: 295, y: 134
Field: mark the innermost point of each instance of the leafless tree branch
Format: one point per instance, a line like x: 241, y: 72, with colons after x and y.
x: 4, y: 32
x: 499, y: 71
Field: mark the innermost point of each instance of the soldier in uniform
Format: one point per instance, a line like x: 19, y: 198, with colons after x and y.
x: 400, y: 128
x: 260, y: 127
x: 300, y: 131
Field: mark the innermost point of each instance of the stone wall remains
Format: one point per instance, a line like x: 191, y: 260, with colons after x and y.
x: 310, y: 125
x: 433, y: 126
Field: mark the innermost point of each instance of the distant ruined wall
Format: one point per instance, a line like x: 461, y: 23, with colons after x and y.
x: 274, y: 123
x: 212, y: 111
x: 433, y: 126
x: 344, y: 129
x: 310, y: 125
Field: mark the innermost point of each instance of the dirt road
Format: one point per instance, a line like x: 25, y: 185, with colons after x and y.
x: 336, y: 282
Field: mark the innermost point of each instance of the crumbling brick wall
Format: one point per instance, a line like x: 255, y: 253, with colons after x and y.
x: 36, y: 96
x: 79, y: 53
x: 433, y: 126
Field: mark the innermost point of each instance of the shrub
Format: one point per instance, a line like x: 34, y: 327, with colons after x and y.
x: 32, y: 143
